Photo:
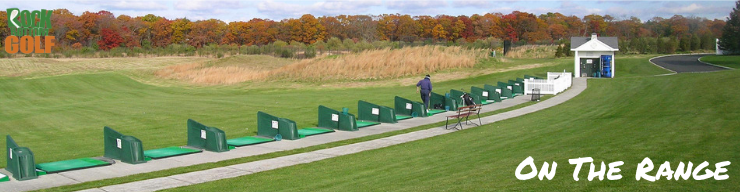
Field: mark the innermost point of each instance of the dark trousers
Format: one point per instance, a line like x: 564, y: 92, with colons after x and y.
x: 425, y: 97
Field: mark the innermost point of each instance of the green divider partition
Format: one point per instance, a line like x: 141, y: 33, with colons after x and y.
x: 505, y: 90
x: 482, y: 94
x: 437, y: 100
x: 407, y: 107
x: 517, y: 87
x: 456, y: 96
x: 20, y: 161
x: 269, y: 124
x: 125, y: 148
x: 328, y: 121
x: 264, y: 134
x: 494, y: 92
x: 204, y: 137
x: 520, y: 80
x: 333, y: 119
x: 367, y: 111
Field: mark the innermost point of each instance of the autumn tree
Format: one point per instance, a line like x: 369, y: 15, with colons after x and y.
x: 109, y: 39
x: 180, y: 28
x: 439, y: 32
x: 162, y: 32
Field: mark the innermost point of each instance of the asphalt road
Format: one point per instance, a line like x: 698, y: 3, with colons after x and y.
x: 685, y: 64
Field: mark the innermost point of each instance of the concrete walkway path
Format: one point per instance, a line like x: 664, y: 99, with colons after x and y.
x: 123, y: 169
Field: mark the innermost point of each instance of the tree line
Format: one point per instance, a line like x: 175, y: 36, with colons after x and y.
x: 102, y: 30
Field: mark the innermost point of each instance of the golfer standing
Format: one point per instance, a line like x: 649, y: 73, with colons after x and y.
x: 425, y: 88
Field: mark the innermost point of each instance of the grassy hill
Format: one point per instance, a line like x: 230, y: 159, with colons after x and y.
x: 676, y: 118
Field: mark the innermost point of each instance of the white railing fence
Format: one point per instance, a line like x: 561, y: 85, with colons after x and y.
x: 554, y: 84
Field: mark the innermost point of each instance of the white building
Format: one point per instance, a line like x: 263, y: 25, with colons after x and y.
x: 594, y: 56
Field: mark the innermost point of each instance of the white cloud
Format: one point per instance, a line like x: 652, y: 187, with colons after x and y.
x: 279, y: 10
x: 135, y: 5
x: 470, y: 3
x: 420, y: 7
x: 207, y: 6
x: 416, y: 4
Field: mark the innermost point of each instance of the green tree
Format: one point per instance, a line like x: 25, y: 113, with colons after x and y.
x: 730, y: 40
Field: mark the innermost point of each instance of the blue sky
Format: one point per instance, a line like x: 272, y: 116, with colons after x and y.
x: 244, y: 10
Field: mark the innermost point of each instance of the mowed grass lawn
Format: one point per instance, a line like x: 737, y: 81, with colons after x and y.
x: 676, y: 118
x: 732, y: 61
x: 62, y: 117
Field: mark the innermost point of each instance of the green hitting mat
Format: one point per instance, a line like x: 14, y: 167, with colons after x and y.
x: 435, y: 111
x: 169, y: 152
x: 4, y: 178
x: 402, y: 117
x: 313, y: 131
x: 361, y: 124
x: 486, y: 102
x: 243, y: 141
x: 73, y: 164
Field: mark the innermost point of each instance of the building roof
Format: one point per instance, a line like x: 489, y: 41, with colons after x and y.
x: 612, y: 42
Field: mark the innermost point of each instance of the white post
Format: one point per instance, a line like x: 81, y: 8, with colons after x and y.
x: 613, y: 64
x: 577, y: 69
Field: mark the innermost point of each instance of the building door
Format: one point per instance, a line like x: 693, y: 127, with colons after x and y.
x: 589, y: 66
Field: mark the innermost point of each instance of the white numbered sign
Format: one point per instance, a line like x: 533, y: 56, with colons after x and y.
x: 118, y: 142
x: 11, y: 152
x: 203, y: 134
x: 485, y: 93
x: 408, y: 106
x: 334, y: 117
x: 508, y: 87
x: 498, y: 91
x: 274, y: 124
x: 375, y: 111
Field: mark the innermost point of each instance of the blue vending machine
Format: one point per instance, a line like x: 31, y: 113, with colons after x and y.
x: 606, y: 68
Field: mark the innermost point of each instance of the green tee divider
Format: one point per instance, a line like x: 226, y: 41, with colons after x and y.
x: 22, y: 165
x: 375, y: 113
x: 204, y: 137
x: 445, y: 102
x: 506, y: 90
x: 456, y: 96
x: 494, y: 92
x: 127, y: 149
x: 407, y: 108
x: 74, y: 164
x: 333, y: 119
x: 482, y: 94
x: 20, y: 161
x: 270, y: 125
x: 517, y: 87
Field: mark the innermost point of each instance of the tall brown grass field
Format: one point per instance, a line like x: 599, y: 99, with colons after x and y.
x: 379, y: 64
x: 367, y: 65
